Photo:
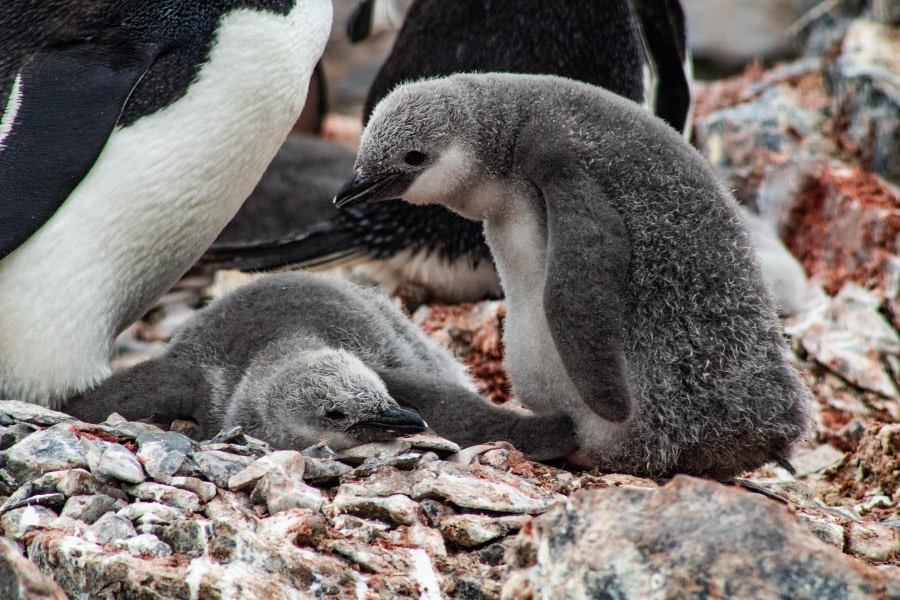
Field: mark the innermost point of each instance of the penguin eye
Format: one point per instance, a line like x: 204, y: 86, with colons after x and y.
x: 414, y: 158
x: 335, y: 415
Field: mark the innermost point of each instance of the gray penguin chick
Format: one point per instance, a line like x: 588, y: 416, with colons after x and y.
x: 634, y: 302
x: 297, y: 358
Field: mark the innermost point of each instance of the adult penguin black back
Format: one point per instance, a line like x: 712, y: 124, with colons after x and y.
x: 131, y: 132
x: 601, y: 43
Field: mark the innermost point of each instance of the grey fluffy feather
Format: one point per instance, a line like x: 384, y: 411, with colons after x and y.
x: 277, y: 355
x: 635, y: 303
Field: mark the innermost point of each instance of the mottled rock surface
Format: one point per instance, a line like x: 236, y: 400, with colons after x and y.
x: 628, y: 543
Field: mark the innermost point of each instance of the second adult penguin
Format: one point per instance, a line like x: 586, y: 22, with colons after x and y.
x: 635, y: 304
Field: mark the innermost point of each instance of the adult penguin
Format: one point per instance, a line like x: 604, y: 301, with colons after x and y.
x: 131, y: 132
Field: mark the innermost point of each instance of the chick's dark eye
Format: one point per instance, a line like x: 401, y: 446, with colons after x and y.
x: 414, y: 158
x: 334, y: 415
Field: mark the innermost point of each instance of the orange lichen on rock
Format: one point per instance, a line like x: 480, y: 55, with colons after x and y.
x: 845, y: 226
x: 473, y: 332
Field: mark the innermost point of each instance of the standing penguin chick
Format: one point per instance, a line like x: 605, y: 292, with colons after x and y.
x: 130, y: 134
x: 296, y: 358
x: 634, y: 302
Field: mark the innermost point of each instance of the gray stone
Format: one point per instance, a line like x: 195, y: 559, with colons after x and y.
x: 481, y: 488
x: 873, y: 541
x: 405, y: 462
x: 88, y: 508
x: 280, y: 492
x: 158, y: 492
x: 16, y: 523
x: 21, y: 579
x: 470, y: 531
x: 358, y: 454
x: 472, y: 453
x: 830, y: 533
x: 144, y: 544
x: 219, y: 467
x: 53, y: 449
x: 14, y: 411
x: 13, y: 434
x: 129, y: 429
x: 154, y: 513
x: 54, y: 500
x: 435, y: 511
x: 186, y: 537
x: 427, y: 538
x: 396, y: 509
x: 8, y: 483
x: 323, y: 470
x: 289, y: 463
x: 431, y: 442
x: 865, y: 83
x: 320, y: 450
x: 205, y: 490
x: 113, y: 461
x: 110, y: 528
x: 162, y: 453
x: 645, y: 543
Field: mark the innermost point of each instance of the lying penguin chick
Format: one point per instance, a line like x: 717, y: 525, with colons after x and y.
x: 297, y: 357
x: 634, y: 302
x: 130, y: 133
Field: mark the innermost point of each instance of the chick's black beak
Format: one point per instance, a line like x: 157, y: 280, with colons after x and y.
x: 396, y: 420
x: 366, y: 190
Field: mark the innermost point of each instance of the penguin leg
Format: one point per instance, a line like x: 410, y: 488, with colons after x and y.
x: 159, y: 387
x: 463, y: 416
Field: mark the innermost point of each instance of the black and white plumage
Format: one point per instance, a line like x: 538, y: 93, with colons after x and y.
x: 635, y: 304
x: 601, y: 43
x: 131, y: 132
x: 296, y: 358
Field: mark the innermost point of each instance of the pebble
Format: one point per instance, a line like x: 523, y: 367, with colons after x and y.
x: 289, y: 463
x: 16, y: 523
x: 15, y: 411
x: 320, y: 450
x: 396, y: 509
x: 471, y: 454
x: 88, y: 508
x: 405, y: 462
x: 53, y: 449
x: 431, y: 442
x: 878, y: 543
x: 54, y: 499
x: 280, y: 492
x: 481, y: 488
x: 219, y: 466
x: 830, y: 533
x: 172, y: 496
x: 205, y: 490
x: 151, y: 513
x: 113, y: 461
x: 21, y: 579
x: 323, y: 470
x: 145, y: 544
x: 131, y: 430
x: 12, y: 435
x: 358, y: 454
x: 187, y: 537
x: 110, y: 528
x: 469, y: 531
x: 162, y: 453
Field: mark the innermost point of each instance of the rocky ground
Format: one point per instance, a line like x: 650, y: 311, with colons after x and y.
x: 130, y: 510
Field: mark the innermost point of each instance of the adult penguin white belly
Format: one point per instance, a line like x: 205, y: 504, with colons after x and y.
x: 131, y: 135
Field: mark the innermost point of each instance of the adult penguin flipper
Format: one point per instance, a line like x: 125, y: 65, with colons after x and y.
x: 359, y: 25
x: 588, y: 256
x: 665, y: 38
x: 64, y: 104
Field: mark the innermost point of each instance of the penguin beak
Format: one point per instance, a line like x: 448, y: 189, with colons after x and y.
x: 367, y: 190
x: 397, y: 421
